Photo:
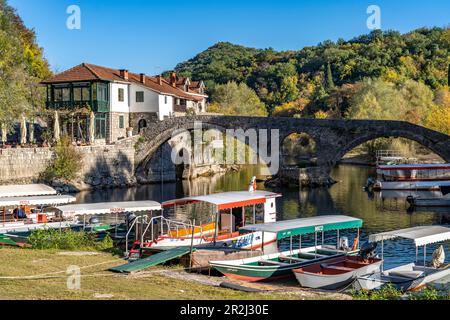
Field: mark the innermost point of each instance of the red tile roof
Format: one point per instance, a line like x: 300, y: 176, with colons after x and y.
x: 91, y: 72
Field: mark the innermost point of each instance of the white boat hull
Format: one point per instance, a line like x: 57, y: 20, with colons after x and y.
x: 245, y: 241
x: 411, y: 185
x: 333, y: 282
x: 403, y: 278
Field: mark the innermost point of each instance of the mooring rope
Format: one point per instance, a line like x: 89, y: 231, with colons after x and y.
x: 51, y: 274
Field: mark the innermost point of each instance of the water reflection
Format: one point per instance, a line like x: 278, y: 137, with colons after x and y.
x: 380, y: 211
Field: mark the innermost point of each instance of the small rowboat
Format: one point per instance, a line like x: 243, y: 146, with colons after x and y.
x: 411, y: 276
x: 336, y: 273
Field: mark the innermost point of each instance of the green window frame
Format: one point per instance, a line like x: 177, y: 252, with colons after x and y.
x: 121, y: 95
x: 121, y: 122
x: 102, y: 92
x: 139, y: 96
x: 100, y: 126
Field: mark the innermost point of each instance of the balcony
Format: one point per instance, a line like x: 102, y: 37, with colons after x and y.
x: 97, y: 106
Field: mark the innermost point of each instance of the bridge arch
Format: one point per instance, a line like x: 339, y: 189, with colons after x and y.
x: 361, y: 139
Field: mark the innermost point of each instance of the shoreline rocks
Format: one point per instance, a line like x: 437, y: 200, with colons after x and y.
x: 310, y: 177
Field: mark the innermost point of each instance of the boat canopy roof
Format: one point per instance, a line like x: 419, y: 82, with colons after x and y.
x: 25, y: 190
x: 421, y: 235
x: 297, y: 227
x: 108, y: 207
x: 435, y: 166
x: 227, y: 200
x: 36, y: 201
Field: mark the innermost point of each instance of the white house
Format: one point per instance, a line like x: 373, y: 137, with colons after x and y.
x: 121, y: 99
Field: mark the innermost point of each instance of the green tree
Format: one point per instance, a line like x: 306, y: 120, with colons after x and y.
x: 22, y: 67
x: 236, y: 99
x: 330, y: 82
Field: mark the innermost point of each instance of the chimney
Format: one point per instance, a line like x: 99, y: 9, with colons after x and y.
x: 173, y: 79
x: 142, y: 78
x: 159, y: 79
x: 124, y: 73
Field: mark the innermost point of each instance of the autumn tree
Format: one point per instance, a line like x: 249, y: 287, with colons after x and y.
x: 236, y: 99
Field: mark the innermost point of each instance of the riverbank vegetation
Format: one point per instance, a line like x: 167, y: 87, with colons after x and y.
x: 68, y: 240
x: 66, y: 163
x: 389, y: 292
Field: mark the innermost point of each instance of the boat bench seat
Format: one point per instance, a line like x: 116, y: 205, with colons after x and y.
x: 340, y: 268
x: 271, y: 263
x: 291, y: 259
x: 312, y: 255
x: 406, y: 274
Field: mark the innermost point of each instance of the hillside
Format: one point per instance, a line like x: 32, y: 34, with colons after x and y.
x: 320, y: 77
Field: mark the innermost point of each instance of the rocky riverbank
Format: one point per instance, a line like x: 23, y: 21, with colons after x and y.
x: 311, y: 177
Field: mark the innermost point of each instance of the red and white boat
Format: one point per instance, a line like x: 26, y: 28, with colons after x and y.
x: 420, y: 177
x: 229, y: 209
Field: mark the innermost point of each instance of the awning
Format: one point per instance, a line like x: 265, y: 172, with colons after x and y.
x: 26, y: 190
x: 36, y: 201
x: 439, y: 166
x: 297, y: 227
x: 226, y: 200
x: 108, y: 207
x: 421, y: 235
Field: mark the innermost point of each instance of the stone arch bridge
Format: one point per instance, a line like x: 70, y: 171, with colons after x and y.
x: 333, y: 138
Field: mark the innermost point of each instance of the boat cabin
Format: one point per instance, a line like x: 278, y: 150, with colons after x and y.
x: 414, y: 172
x: 24, y: 207
x: 230, y: 208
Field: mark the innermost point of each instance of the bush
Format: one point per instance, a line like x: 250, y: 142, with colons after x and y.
x: 389, y: 292
x: 67, y: 162
x: 67, y: 240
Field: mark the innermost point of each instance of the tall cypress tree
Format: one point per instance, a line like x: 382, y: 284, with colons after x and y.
x: 329, y: 79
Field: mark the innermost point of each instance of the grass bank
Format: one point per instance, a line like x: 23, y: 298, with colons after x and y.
x: 98, y: 283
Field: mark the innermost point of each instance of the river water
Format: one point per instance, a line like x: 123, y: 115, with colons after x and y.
x: 380, y: 211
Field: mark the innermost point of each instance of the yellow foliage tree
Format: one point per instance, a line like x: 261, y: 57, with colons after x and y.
x: 439, y: 119
x: 291, y: 109
x: 320, y: 115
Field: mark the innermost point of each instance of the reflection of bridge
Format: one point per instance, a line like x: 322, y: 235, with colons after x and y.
x: 333, y: 138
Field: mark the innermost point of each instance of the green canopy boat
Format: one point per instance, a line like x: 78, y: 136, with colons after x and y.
x: 281, y: 264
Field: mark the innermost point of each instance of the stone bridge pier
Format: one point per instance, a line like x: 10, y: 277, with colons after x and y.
x: 333, y: 139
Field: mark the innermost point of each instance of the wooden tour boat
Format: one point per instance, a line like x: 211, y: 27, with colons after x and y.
x: 281, y: 264
x: 411, y: 276
x: 230, y: 218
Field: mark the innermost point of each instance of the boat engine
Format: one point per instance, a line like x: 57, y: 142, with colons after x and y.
x: 367, y: 250
x: 370, y: 182
x: 343, y: 244
x: 129, y: 219
x: 410, y: 200
x: 94, y: 220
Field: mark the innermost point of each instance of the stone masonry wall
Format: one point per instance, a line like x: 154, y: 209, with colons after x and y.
x: 103, y: 166
x: 115, y: 132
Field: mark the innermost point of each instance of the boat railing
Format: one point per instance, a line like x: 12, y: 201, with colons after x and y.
x: 172, y: 225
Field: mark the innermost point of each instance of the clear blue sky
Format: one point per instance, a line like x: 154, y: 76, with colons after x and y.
x: 153, y: 36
